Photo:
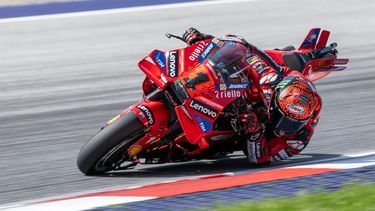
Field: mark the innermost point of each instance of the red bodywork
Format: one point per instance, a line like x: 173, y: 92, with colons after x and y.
x: 204, y: 102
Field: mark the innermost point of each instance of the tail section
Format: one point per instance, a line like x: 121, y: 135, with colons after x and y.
x: 327, y: 61
x: 315, y: 39
x: 323, y: 38
x: 310, y: 40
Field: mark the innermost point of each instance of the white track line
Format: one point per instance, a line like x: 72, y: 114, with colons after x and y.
x: 361, y: 154
x: 346, y: 162
x: 122, y: 10
x: 78, y: 203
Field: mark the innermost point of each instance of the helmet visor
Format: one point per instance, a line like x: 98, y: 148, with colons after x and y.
x: 284, y: 125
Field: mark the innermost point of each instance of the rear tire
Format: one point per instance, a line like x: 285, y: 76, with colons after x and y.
x: 99, y: 153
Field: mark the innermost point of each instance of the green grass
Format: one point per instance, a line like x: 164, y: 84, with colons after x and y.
x: 356, y: 197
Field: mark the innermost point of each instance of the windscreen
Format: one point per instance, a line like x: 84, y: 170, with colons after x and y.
x: 228, y: 59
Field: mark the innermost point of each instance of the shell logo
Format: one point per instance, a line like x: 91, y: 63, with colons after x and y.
x: 223, y: 87
x: 296, y: 109
x: 134, y: 150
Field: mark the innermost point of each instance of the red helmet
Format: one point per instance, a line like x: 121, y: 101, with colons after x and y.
x: 293, y: 105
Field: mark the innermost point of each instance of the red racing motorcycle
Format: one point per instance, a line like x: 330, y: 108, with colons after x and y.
x: 192, y: 98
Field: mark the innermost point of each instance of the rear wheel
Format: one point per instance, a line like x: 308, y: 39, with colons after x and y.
x: 107, y: 149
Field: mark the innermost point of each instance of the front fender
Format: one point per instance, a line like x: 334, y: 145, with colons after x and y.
x: 154, y: 115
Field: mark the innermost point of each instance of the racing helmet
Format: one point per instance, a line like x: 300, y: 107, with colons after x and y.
x: 292, y: 106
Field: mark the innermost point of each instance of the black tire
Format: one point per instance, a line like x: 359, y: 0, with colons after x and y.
x: 116, y: 136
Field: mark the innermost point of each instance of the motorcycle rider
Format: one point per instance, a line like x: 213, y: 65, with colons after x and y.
x: 292, y: 107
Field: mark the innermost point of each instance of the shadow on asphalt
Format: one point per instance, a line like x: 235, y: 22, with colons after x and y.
x: 235, y: 163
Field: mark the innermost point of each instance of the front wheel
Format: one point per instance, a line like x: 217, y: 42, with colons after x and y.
x: 108, y: 147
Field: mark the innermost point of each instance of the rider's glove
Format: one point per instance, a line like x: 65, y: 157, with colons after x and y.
x: 258, y: 151
x: 192, y: 36
x: 327, y: 51
x: 324, y: 52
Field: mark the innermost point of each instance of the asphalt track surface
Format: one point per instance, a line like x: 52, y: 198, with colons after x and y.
x: 62, y: 78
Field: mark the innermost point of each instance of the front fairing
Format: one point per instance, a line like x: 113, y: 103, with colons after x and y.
x: 205, y: 91
x: 209, y: 92
x: 163, y: 68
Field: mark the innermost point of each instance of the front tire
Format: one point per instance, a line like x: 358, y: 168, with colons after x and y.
x: 100, y: 153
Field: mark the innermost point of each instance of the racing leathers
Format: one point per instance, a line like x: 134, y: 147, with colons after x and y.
x: 263, y: 144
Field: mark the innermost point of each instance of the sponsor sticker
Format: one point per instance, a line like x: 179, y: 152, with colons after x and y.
x: 238, y: 86
x: 197, y: 51
x: 261, y: 70
x: 203, y: 109
x: 173, y: 64
x: 134, y: 150
x: 227, y: 94
x: 159, y: 58
x: 296, y: 109
x: 163, y: 78
x: 268, y: 78
x: 207, y: 50
x: 251, y: 152
x: 185, y: 111
x: 311, y: 38
x: 216, y: 41
x: 310, y: 68
x: 251, y: 60
x: 283, y: 154
x: 235, y: 39
x: 232, y: 86
x: 222, y: 86
x: 146, y: 111
x: 204, y: 124
x: 257, y: 64
x: 283, y: 83
x: 258, y: 151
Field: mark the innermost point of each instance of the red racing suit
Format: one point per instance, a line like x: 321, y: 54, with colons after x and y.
x: 263, y: 146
